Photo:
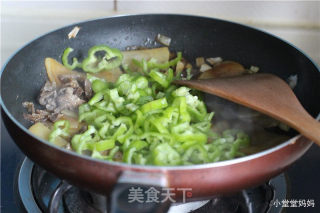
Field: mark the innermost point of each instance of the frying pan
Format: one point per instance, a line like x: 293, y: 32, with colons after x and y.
x: 24, y: 75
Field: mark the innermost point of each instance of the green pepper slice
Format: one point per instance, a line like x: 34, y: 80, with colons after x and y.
x: 151, y: 64
x: 65, y: 56
x: 154, y: 105
x: 60, y: 128
x: 164, y: 155
x: 195, y: 154
x: 80, y: 142
x: 111, y: 59
x: 102, y: 145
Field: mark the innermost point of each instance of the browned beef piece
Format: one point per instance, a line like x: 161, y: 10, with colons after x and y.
x: 54, y: 116
x: 74, y: 82
x: 80, y: 83
x: 39, y: 115
x: 75, y: 89
x: 66, y: 99
x: 48, y: 95
x: 69, y: 96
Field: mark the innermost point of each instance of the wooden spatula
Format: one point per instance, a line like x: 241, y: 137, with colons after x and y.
x: 265, y: 93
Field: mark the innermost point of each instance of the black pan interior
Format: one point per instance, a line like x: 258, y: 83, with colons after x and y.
x: 25, y: 74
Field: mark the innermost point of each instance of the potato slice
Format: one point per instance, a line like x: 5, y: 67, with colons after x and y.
x: 42, y: 131
x: 109, y: 75
x: 161, y: 55
x: 75, y: 125
x: 54, y: 69
x: 224, y: 69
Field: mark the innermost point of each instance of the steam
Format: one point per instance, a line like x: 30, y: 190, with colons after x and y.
x: 263, y: 130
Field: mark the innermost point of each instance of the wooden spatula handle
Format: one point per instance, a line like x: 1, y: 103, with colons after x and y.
x: 310, y: 128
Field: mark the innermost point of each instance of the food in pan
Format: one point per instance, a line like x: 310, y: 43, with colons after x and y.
x: 123, y: 106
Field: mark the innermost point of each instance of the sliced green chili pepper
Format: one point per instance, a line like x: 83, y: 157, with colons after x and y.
x: 159, y: 77
x: 65, y: 56
x: 106, y: 106
x: 184, y: 132
x: 89, y: 116
x: 172, y: 114
x: 141, y: 82
x: 145, y: 118
x: 101, y: 119
x: 113, y: 151
x: 111, y: 59
x: 181, y: 104
x: 102, y: 145
x: 165, y: 155
x: 160, y: 124
x: 116, y: 99
x: 138, y: 145
x: 96, y: 98
x: 139, y: 119
x: 139, y: 159
x: 151, y: 64
x: 80, y: 142
x: 189, y: 75
x: 195, y: 154
x: 131, y: 107
x: 124, y: 88
x: 124, y: 78
x: 60, y: 128
x: 124, y: 130
x: 129, y: 140
x: 142, y: 64
x: 154, y: 138
x: 98, y: 155
x: 198, y: 113
x: 144, y: 99
x: 103, y: 131
x: 128, y: 155
x: 99, y: 85
x: 154, y: 105
x: 84, y: 108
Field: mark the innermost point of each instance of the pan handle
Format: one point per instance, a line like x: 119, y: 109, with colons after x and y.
x: 138, y: 192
